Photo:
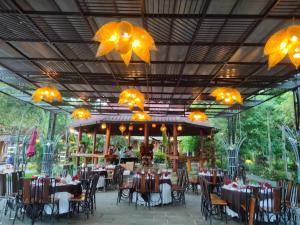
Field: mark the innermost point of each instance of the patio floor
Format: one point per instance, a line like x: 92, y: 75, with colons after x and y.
x: 108, y: 213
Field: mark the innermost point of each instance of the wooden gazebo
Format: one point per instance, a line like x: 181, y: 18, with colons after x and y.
x: 146, y: 129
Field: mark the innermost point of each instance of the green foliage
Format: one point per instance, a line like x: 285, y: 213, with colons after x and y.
x: 190, y: 144
x: 159, y: 156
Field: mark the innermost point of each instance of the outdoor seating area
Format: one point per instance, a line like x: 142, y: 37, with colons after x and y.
x: 150, y: 112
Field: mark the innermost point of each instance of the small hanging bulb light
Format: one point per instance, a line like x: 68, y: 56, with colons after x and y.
x: 103, y: 126
x: 179, y: 128
x: 122, y: 128
x: 153, y: 125
x: 163, y: 128
x: 130, y: 128
x: 140, y: 129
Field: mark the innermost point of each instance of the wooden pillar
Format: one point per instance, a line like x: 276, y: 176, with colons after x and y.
x: 107, y: 139
x: 79, y: 143
x: 175, y: 150
x: 95, y: 160
x: 213, y: 158
x: 146, y: 135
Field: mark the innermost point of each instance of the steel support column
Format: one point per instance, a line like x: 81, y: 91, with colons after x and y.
x: 49, y: 146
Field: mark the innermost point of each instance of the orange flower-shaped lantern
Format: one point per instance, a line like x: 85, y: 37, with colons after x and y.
x: 48, y: 94
x: 132, y: 97
x: 283, y: 42
x: 124, y: 37
x: 227, y: 95
x: 141, y: 116
x: 197, y: 116
x: 81, y: 113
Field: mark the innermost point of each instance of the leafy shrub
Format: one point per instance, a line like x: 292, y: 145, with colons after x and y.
x: 159, y: 156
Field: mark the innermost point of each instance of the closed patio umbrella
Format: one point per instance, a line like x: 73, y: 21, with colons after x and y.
x: 31, y: 147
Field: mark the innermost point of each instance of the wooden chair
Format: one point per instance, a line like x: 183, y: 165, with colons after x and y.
x: 244, y: 213
x: 92, y: 193
x: 252, y: 211
x: 212, y: 203
x: 178, y: 190
x: 154, y: 187
x: 140, y: 187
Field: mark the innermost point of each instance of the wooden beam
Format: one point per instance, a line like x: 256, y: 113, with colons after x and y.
x: 107, y: 139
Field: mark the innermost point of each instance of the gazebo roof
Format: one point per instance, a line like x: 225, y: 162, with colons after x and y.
x: 201, y: 45
x: 189, y: 127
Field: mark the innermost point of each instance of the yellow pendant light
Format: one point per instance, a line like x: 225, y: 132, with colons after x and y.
x: 124, y: 37
x: 141, y: 116
x: 179, y: 128
x: 283, y: 42
x: 197, y: 116
x: 103, y: 126
x: 163, y: 128
x: 48, y: 94
x: 130, y: 128
x: 227, y: 95
x: 122, y: 128
x: 132, y: 97
x: 81, y: 113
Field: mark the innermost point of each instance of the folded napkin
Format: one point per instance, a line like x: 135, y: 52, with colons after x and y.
x: 267, y: 185
x: 75, y: 178
x: 34, y: 177
x: 234, y: 185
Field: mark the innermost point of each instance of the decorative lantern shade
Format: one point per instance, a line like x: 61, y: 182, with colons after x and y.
x: 130, y: 128
x: 179, y: 128
x: 163, y: 128
x: 122, y: 128
x: 81, y: 113
x: 103, y: 126
x: 124, y: 38
x: 132, y: 97
x: 141, y: 116
x: 227, y: 95
x: 48, y: 94
x: 153, y: 125
x: 283, y: 42
x: 197, y: 116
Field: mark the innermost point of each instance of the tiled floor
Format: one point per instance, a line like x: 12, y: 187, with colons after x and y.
x: 108, y: 213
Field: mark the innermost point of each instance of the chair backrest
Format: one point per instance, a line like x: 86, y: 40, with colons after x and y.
x: 154, y: 183
x: 214, y: 177
x: 271, y: 198
x: 252, y: 207
x: 94, y: 184
x: 206, y: 190
x: 277, y: 199
x: 289, y: 187
x: 2, y: 184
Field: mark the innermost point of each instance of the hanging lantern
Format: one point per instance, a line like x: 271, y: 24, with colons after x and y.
x: 81, y: 113
x: 141, y: 116
x: 124, y: 38
x: 179, y: 128
x: 103, y: 126
x: 163, y: 128
x: 130, y: 128
x: 140, y: 129
x: 227, y: 95
x: 122, y: 128
x: 132, y: 97
x: 283, y: 42
x: 153, y: 125
x: 197, y: 116
x: 48, y: 94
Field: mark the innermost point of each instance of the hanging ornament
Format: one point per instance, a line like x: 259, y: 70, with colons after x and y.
x: 122, y: 128
x: 103, y: 126
x: 141, y: 116
x: 124, y: 37
x: 283, y: 42
x: 130, y: 128
x: 153, y: 125
x: 179, y: 128
x: 48, y: 94
x: 197, y: 116
x: 227, y: 95
x: 81, y: 113
x: 132, y: 97
x: 163, y: 128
